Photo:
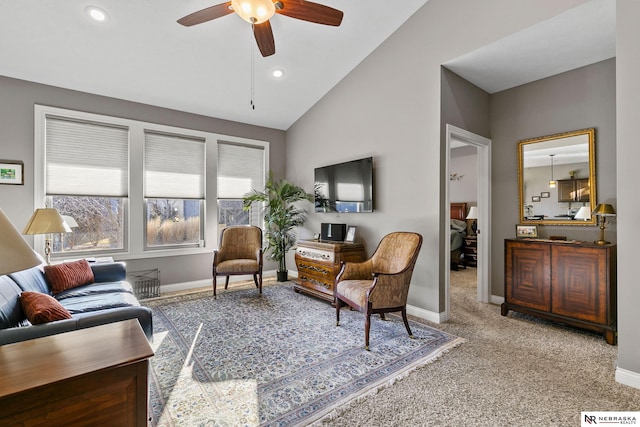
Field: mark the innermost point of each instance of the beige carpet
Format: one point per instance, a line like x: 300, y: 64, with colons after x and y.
x: 512, y: 370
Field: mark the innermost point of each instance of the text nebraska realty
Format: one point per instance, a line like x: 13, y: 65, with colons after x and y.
x: 610, y: 419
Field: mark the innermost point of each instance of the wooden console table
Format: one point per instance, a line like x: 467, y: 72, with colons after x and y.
x: 568, y: 282
x: 94, y: 376
x: 318, y: 264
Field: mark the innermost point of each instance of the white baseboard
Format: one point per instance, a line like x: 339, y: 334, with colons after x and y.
x: 626, y: 377
x: 431, y: 316
x: 197, y: 284
x: 185, y: 286
x: 421, y: 313
x: 495, y: 299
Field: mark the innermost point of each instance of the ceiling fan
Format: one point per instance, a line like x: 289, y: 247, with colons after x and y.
x: 258, y: 13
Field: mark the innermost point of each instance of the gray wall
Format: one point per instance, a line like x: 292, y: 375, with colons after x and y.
x: 463, y: 161
x: 389, y: 107
x: 17, y: 99
x: 628, y: 153
x: 577, y: 99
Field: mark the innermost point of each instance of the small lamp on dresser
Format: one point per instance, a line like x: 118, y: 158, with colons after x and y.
x: 604, y: 213
x: 473, y: 215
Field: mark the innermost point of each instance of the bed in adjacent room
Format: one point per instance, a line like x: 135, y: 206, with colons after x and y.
x: 458, y: 233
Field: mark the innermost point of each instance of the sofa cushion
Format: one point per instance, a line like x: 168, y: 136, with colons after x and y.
x: 31, y: 279
x: 68, y: 275
x: 42, y: 308
x: 109, y: 271
x: 95, y: 288
x: 95, y: 302
x: 11, y: 313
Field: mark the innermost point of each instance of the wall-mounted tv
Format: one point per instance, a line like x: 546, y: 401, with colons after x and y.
x: 344, y: 187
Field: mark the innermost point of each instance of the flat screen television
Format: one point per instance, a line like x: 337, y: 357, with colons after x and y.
x: 344, y: 187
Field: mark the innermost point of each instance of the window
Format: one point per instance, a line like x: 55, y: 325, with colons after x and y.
x: 174, y: 187
x: 241, y: 168
x: 87, y: 181
x: 137, y: 190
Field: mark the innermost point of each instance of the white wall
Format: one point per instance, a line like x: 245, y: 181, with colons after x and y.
x: 628, y: 153
x: 464, y: 161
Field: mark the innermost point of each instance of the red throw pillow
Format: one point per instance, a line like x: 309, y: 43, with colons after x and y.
x: 42, y: 308
x: 68, y: 275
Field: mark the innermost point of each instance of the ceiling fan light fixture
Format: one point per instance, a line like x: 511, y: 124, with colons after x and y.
x: 254, y: 11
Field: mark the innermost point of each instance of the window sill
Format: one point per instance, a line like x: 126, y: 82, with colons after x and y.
x: 124, y: 256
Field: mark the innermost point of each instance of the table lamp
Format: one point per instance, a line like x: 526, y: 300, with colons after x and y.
x: 602, y: 212
x: 15, y: 253
x: 473, y: 214
x: 46, y: 221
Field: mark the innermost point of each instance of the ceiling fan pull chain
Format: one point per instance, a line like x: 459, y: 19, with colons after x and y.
x: 253, y: 105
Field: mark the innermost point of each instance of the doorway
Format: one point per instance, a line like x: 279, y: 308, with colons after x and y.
x: 483, y: 179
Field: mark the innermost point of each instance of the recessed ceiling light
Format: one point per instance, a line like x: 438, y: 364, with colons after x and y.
x: 97, y: 14
x: 278, y: 73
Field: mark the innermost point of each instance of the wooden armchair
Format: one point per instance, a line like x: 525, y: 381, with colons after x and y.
x: 380, y: 284
x: 239, y: 253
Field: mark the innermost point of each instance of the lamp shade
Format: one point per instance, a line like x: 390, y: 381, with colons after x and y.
x: 15, y: 253
x: 583, y: 213
x: 604, y: 209
x: 45, y: 221
x: 473, y: 213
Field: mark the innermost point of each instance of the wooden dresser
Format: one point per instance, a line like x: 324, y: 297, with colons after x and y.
x: 318, y: 264
x: 470, y: 251
x: 567, y: 282
x: 90, y: 377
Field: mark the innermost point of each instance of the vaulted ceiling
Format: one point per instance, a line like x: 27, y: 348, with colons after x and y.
x: 141, y: 54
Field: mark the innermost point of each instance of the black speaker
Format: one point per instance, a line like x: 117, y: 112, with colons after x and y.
x: 333, y: 232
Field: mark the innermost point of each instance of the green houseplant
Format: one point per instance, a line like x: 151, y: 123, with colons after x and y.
x: 281, y: 217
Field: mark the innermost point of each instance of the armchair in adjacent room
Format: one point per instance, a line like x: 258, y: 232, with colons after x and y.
x: 381, y: 284
x: 239, y: 253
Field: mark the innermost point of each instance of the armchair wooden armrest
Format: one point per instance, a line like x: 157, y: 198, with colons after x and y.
x: 355, y: 271
x: 259, y: 256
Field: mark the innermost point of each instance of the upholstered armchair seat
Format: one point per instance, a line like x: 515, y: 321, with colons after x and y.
x: 354, y: 291
x: 380, y: 284
x: 239, y: 253
x: 237, y: 266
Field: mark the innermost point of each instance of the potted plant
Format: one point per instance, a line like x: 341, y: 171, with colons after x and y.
x: 281, y: 217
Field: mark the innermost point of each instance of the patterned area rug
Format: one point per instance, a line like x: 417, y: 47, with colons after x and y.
x: 273, y: 360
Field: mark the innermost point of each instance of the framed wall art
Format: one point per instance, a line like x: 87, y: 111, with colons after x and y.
x: 11, y: 172
x: 530, y: 231
x: 351, y: 235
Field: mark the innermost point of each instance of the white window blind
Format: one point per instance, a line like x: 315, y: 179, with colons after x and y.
x: 85, y: 158
x: 240, y: 170
x: 174, y: 166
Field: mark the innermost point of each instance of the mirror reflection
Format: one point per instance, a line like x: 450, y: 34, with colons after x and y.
x: 557, y: 178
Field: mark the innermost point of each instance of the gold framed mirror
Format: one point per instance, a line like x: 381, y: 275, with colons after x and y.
x: 557, y: 177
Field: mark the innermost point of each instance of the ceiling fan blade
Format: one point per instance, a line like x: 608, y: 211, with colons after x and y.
x: 264, y: 38
x: 311, y: 12
x: 208, y: 14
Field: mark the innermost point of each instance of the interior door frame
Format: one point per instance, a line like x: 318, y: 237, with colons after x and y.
x: 483, y: 180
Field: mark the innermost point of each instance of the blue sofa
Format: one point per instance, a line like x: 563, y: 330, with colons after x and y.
x: 109, y: 299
